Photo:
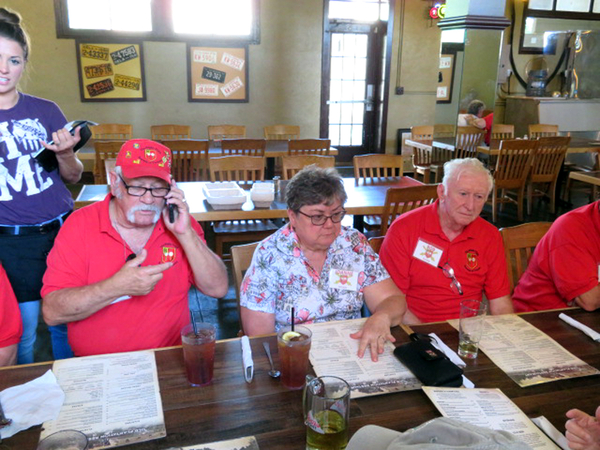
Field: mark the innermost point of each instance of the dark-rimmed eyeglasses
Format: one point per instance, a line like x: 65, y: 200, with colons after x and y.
x: 140, y: 191
x: 454, y: 284
x: 320, y: 219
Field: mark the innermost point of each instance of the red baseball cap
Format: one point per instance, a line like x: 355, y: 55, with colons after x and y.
x: 145, y: 158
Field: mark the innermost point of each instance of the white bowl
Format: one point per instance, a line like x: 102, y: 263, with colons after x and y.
x: 227, y: 195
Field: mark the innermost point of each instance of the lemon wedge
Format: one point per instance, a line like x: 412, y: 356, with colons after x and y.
x: 287, y: 336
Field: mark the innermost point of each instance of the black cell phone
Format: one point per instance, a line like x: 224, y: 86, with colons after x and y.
x: 130, y: 257
x: 172, y: 209
x: 47, y: 159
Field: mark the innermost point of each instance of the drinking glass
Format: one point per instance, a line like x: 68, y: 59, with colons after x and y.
x: 293, y: 355
x: 199, y: 352
x: 470, y: 326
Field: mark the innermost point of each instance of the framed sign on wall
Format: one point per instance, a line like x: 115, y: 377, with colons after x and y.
x: 111, y: 72
x: 445, y: 79
x: 218, y: 74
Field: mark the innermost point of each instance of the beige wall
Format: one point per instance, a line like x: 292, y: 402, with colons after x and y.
x: 285, y: 73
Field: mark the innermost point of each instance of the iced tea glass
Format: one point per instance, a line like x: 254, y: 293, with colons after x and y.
x: 199, y: 353
x: 293, y: 347
x: 470, y: 327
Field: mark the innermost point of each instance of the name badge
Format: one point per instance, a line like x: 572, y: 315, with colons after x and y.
x: 343, y: 279
x: 428, y: 253
x: 598, y: 273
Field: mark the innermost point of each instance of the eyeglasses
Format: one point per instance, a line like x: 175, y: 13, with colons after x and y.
x: 449, y: 272
x: 140, y: 191
x: 320, y: 219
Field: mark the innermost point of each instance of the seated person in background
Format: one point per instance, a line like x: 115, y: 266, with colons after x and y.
x: 11, y: 326
x: 120, y: 271
x: 565, y: 267
x: 323, y: 270
x: 583, y: 430
x: 489, y: 121
x: 473, y: 117
x: 441, y: 253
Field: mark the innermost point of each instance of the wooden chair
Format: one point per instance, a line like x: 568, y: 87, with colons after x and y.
x: 249, y: 147
x: 421, y: 158
x: 400, y: 200
x: 548, y: 160
x: 443, y: 130
x: 519, y: 244
x: 190, y: 159
x: 309, y: 146
x: 502, y: 131
x: 241, y: 257
x: 112, y: 132
x: 375, y: 243
x: 291, y: 165
x: 537, y: 130
x: 282, y: 132
x: 467, y: 141
x: 104, y: 150
x: 372, y: 168
x: 170, y: 132
x: 512, y: 168
x: 579, y: 162
x: 219, y: 132
x: 242, y: 169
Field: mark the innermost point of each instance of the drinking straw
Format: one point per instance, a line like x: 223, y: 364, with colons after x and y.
x: 292, y: 318
x: 194, y: 326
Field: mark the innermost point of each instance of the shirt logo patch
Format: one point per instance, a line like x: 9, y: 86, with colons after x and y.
x: 343, y: 279
x: 472, y: 264
x: 168, y: 254
x: 428, y: 253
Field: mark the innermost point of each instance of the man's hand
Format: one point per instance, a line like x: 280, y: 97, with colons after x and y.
x: 374, y: 334
x: 135, y: 280
x: 583, y: 430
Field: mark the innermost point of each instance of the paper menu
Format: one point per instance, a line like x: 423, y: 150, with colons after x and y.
x: 488, y: 408
x: 114, y: 399
x: 334, y: 352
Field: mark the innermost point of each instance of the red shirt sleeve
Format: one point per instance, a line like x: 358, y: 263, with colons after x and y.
x: 11, y: 325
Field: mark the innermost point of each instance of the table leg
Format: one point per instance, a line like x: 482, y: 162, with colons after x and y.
x: 270, y: 170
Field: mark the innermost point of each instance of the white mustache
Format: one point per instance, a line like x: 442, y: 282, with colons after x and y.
x: 155, y: 209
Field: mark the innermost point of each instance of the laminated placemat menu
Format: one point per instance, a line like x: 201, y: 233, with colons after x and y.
x: 526, y: 354
x: 245, y: 443
x: 334, y: 352
x: 113, y: 399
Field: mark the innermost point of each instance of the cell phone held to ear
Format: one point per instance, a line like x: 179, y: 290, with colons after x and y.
x: 47, y: 158
x: 171, y: 209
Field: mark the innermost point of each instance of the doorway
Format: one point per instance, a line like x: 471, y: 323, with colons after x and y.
x: 354, y: 77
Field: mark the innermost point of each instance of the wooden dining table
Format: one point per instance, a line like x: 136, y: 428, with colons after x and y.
x: 592, y: 178
x: 230, y: 408
x: 364, y: 198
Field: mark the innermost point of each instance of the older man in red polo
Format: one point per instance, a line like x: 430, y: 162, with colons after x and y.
x: 120, y: 270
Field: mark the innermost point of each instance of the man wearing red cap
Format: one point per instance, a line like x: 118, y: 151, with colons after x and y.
x: 120, y: 271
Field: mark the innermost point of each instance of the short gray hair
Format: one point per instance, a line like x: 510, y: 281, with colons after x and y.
x: 475, y: 106
x: 455, y: 167
x: 314, y: 185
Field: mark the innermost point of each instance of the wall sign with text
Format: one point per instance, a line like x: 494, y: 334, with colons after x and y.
x: 110, y: 72
x: 218, y: 74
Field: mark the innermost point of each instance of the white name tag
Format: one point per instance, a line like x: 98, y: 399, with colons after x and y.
x: 343, y: 279
x: 428, y: 253
x: 120, y: 299
x: 598, y: 273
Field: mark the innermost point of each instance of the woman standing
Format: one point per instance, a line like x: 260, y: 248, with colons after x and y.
x: 33, y: 202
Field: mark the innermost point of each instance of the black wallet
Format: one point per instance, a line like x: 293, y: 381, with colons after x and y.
x: 427, y: 363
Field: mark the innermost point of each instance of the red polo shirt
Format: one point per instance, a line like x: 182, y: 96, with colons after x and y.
x: 87, y: 250
x: 476, y: 255
x: 11, y: 326
x: 565, y: 264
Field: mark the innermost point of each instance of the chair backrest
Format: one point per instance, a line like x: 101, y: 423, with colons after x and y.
x: 548, y: 159
x: 519, y: 244
x: 241, y: 257
x: 502, y: 131
x: 467, y: 141
x: 112, y: 131
x: 377, y: 166
x: 170, y: 132
x: 250, y: 147
x: 442, y: 130
x: 422, y: 132
x: 104, y: 150
x: 513, y: 163
x: 291, y: 165
x: 190, y: 159
x: 282, y: 132
x: 399, y: 200
x: 219, y: 132
x: 309, y: 146
x: 375, y: 243
x: 537, y: 130
x: 237, y: 168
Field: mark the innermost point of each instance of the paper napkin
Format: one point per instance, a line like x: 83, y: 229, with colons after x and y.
x: 574, y: 323
x: 451, y: 354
